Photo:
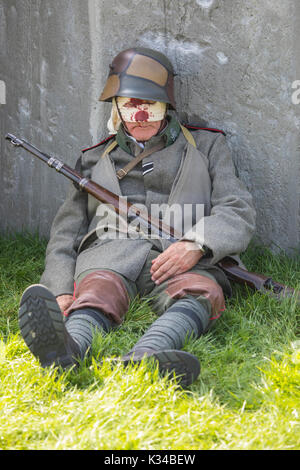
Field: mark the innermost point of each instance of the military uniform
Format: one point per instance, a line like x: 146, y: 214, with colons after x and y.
x: 181, y: 174
x: 109, y: 272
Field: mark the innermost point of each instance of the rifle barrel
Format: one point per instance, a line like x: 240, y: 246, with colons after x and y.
x: 100, y: 193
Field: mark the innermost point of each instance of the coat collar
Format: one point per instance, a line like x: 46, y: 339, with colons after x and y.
x: 169, y: 134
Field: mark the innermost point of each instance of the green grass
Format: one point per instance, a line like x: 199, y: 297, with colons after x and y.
x: 247, y: 396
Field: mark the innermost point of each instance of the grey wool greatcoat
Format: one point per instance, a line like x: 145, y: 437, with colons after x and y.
x: 178, y: 174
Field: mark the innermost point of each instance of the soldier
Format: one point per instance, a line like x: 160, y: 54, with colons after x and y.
x: 186, y: 285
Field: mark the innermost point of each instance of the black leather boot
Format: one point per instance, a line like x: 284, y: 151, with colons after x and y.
x: 51, y: 338
x: 43, y: 328
x: 166, y: 336
x: 184, y: 365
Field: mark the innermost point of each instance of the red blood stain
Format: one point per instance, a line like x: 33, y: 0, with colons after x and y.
x: 133, y: 103
x: 141, y: 116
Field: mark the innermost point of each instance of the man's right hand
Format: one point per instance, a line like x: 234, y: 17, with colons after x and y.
x: 64, y: 301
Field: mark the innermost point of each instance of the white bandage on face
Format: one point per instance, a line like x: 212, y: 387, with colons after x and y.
x: 134, y: 110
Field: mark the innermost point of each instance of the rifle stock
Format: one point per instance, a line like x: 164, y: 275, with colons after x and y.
x: 234, y: 272
x: 257, y: 282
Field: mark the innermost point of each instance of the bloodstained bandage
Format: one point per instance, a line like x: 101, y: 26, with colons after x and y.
x: 136, y: 110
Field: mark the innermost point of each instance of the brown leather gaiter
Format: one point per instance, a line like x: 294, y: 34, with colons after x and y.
x: 102, y: 290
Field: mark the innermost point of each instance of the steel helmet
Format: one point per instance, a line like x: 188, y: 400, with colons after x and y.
x: 140, y: 73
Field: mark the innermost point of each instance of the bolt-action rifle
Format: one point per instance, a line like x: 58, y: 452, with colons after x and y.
x: 147, y: 224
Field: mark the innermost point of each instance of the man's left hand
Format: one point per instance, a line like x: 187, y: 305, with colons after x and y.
x: 178, y: 258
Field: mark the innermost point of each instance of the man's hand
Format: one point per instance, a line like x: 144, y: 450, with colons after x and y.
x: 64, y: 301
x: 178, y: 258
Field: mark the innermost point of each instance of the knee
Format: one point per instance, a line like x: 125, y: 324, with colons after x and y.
x: 197, y: 285
x: 103, y: 290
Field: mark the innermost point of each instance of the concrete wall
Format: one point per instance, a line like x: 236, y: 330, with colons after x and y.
x: 236, y: 62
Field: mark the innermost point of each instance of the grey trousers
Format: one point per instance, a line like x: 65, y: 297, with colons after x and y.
x: 111, y: 292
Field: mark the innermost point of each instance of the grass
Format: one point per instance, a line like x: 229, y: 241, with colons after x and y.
x: 247, y: 396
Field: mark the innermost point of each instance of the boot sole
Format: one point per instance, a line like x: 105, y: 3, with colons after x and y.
x: 42, y: 327
x: 184, y: 365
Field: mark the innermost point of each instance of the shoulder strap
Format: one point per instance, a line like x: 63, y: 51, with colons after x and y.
x: 109, y: 148
x: 188, y: 136
x: 104, y: 141
x: 197, y: 128
x: 123, y: 171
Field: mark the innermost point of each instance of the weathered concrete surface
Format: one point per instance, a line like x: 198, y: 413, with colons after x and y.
x: 45, y: 63
x: 236, y: 62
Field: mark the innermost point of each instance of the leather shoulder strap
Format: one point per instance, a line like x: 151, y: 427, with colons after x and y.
x: 123, y: 171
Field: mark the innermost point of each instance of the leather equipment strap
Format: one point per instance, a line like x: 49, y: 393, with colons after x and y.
x: 187, y: 134
x: 124, y: 171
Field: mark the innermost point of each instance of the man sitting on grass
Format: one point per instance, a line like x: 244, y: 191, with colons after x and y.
x: 179, y: 169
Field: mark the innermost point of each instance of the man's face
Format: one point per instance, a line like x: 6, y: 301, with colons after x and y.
x: 143, y: 118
